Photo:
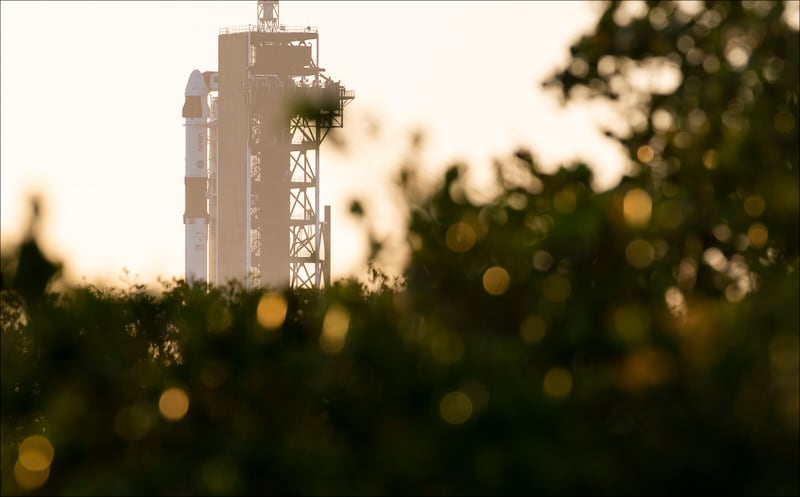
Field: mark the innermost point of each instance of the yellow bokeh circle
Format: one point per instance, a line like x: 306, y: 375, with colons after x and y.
x: 173, y: 404
x: 496, y: 280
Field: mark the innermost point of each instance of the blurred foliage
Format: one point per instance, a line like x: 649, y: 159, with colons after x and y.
x: 556, y: 340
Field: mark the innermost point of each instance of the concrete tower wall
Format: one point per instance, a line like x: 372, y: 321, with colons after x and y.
x: 232, y: 159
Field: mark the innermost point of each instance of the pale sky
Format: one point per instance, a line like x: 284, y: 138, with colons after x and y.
x: 92, y: 95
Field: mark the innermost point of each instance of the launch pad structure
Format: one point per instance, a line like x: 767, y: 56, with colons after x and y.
x: 253, y: 135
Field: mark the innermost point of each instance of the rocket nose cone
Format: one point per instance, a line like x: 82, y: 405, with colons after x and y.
x: 196, y: 85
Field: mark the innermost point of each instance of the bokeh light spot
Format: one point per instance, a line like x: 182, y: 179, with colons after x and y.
x: 496, y: 280
x: 532, y: 329
x: 737, y: 56
x: 557, y: 382
x: 542, y: 260
x: 517, y: 201
x: 757, y: 234
x: 271, y: 311
x: 36, y: 453
x: 173, y: 404
x: 645, y: 368
x: 460, y: 237
x: 28, y: 480
x: 455, y: 408
x: 676, y: 302
x: 579, y: 67
x: 658, y: 18
x: 734, y: 294
x: 606, y: 66
x: 710, y: 159
x: 722, y: 232
x: 556, y: 288
x: 711, y: 64
x: 695, y: 56
x: 645, y: 153
x: 714, y: 257
x: 682, y: 139
x: 628, y: 11
x: 640, y: 253
x: 334, y: 329
x: 698, y: 122
x: 754, y: 205
x: 637, y: 207
x: 662, y: 120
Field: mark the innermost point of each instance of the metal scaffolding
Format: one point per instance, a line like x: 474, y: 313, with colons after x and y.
x: 288, y: 106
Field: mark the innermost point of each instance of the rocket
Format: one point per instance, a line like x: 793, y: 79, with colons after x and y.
x: 195, y: 216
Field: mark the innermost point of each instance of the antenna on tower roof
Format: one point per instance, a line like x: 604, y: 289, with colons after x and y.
x: 268, y: 15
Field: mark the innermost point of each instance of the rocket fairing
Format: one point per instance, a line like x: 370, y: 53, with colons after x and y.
x: 195, y: 217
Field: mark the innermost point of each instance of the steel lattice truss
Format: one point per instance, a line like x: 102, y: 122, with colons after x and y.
x: 304, y: 229
x: 294, y: 140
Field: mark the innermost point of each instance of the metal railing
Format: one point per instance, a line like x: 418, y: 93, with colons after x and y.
x: 254, y: 28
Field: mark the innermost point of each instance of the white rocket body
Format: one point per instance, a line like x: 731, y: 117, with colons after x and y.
x: 195, y: 217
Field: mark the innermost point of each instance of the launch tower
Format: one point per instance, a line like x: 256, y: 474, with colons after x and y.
x: 272, y: 109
